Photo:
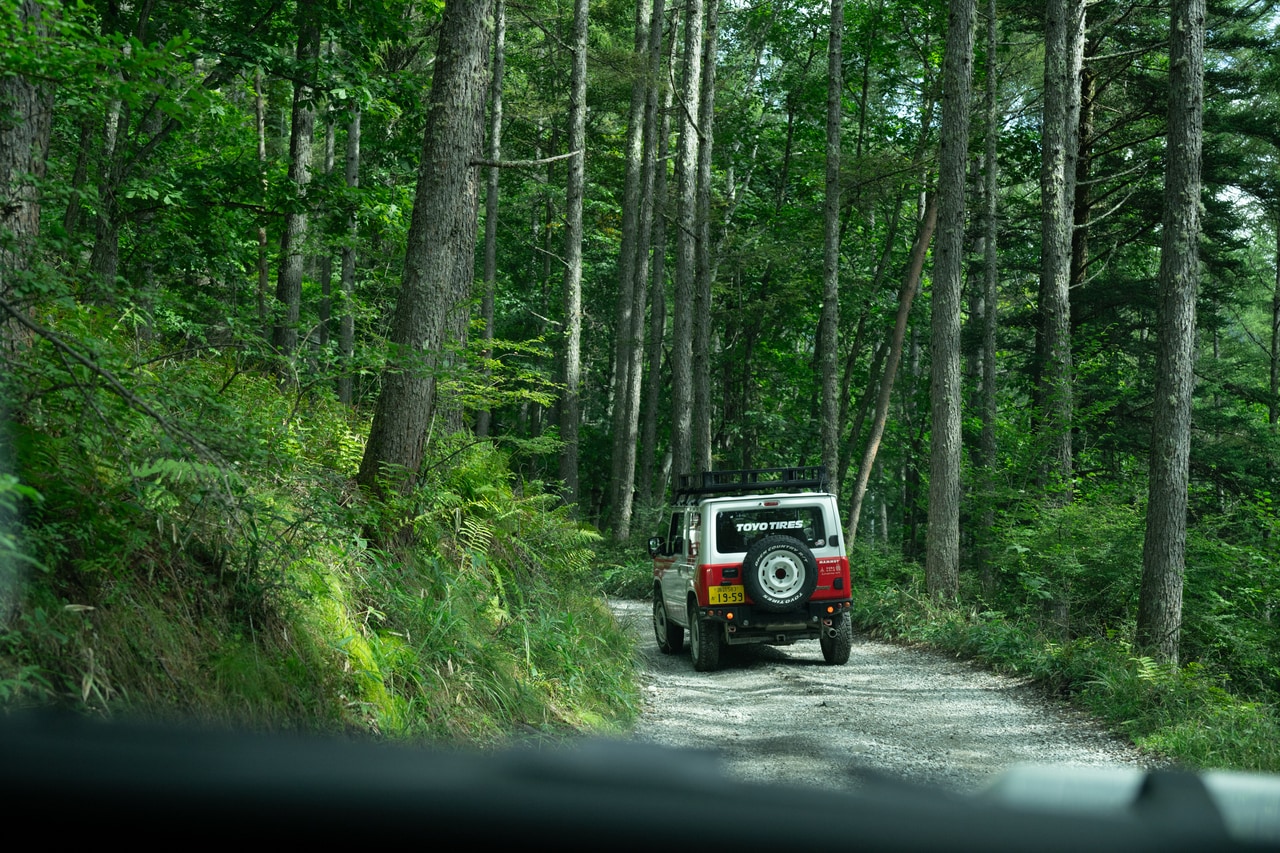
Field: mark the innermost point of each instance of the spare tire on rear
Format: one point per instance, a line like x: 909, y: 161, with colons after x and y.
x: 780, y: 573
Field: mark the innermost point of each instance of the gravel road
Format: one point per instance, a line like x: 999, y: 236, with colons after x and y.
x: 780, y: 714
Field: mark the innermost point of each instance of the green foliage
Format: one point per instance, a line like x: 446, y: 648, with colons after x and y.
x: 197, y: 552
x: 491, y: 619
x: 12, y: 555
x: 626, y: 568
x: 1230, y: 595
x: 1077, y: 561
x: 1073, y: 572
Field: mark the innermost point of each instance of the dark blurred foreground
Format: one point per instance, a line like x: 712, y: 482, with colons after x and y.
x: 82, y: 780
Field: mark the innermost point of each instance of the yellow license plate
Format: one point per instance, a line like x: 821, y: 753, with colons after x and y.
x: 726, y: 595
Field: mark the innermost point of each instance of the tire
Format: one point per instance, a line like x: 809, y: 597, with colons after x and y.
x: 669, y: 635
x: 704, y: 641
x: 780, y: 573
x: 835, y: 650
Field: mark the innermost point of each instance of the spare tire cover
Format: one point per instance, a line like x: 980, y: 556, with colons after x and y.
x: 780, y: 573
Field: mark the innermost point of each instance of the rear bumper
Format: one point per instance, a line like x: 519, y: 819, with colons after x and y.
x: 745, y: 624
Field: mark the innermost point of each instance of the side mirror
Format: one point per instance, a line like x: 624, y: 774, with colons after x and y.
x: 655, y: 545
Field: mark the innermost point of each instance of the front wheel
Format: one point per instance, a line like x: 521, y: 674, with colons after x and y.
x: 704, y: 641
x: 835, y: 650
x: 669, y: 635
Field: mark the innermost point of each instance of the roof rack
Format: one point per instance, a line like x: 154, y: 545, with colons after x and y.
x: 794, y: 479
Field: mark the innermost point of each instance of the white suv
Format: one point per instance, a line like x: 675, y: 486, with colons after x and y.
x: 752, y: 556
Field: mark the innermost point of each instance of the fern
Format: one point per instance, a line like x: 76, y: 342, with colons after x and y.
x: 1148, y: 670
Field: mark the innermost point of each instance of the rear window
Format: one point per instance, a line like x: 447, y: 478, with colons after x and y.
x: 738, y: 529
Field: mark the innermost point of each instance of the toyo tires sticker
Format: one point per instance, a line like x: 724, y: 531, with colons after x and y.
x: 753, y: 526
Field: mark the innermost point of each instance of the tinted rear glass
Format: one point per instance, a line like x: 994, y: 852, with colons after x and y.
x: 737, y: 529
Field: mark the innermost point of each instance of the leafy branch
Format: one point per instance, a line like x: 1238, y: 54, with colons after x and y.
x: 113, y: 383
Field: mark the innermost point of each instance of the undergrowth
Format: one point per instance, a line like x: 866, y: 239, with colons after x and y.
x: 1189, y: 714
x: 195, y: 550
x: 626, y: 568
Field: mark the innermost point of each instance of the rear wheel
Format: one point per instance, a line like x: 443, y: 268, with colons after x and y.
x: 704, y: 640
x: 669, y: 635
x: 835, y: 650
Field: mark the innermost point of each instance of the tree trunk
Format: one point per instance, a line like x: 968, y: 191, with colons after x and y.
x: 71, y: 218
x: 439, y: 257
x: 829, y: 322
x: 104, y: 260
x: 570, y: 404
x: 544, y: 231
x: 484, y: 416
x: 990, y: 303
x: 284, y: 333
x: 1064, y: 46
x: 644, y: 242
x: 264, y: 275
x: 912, y: 548
x: 1082, y: 214
x: 1163, y: 552
x: 325, y: 261
x: 846, y: 393
x: 906, y: 295
x: 1273, y: 402
x: 703, y: 266
x: 942, y: 539
x: 25, y: 113
x: 346, y: 321
x: 970, y: 334
x: 25, y: 127
x: 657, y: 276
x: 686, y: 248
x: 622, y: 474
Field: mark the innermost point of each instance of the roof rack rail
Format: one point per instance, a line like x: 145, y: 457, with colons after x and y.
x: 796, y: 478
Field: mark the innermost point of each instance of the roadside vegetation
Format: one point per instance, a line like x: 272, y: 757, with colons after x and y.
x: 195, y: 550
x: 1217, y: 710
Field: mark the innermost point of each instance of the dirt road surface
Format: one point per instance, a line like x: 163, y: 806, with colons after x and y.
x: 780, y: 714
